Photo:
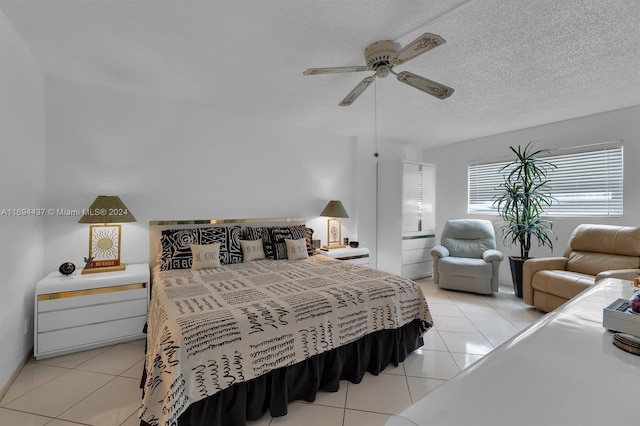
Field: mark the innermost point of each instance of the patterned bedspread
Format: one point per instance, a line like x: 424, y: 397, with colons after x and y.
x: 211, y: 328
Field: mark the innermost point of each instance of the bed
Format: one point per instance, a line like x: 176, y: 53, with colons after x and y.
x: 243, y: 319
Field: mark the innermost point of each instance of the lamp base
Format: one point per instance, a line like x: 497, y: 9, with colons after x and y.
x: 333, y: 246
x: 120, y: 267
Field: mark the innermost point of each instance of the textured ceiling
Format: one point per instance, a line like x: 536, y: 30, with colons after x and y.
x: 513, y: 63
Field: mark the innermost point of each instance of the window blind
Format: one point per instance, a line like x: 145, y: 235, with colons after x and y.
x: 587, y: 183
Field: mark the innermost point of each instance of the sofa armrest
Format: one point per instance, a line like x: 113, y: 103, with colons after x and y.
x: 492, y: 256
x: 623, y: 274
x: 531, y: 266
x: 439, y: 251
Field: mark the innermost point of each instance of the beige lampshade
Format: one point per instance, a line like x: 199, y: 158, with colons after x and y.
x: 334, y: 209
x: 107, y: 209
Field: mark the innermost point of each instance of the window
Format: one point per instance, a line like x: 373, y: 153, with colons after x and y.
x: 585, y: 183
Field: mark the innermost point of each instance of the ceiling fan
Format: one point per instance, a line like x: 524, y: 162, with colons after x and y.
x: 382, y: 56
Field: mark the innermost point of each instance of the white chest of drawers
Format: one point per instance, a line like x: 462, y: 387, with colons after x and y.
x: 79, y: 312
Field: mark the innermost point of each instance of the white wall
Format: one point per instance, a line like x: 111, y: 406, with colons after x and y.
x: 21, y: 186
x: 452, y: 162
x: 174, y: 161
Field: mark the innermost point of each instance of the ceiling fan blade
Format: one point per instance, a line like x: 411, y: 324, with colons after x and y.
x: 353, y: 95
x: 424, y: 43
x: 438, y: 90
x: 332, y: 70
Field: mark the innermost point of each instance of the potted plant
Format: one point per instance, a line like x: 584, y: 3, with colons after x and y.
x: 521, y: 201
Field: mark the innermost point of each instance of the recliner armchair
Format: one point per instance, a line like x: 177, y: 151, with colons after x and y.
x: 466, y: 258
x: 593, y: 252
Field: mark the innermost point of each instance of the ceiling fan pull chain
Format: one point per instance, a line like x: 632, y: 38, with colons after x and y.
x: 375, y: 116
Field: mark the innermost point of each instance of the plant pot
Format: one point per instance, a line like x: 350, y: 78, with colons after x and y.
x: 516, y: 273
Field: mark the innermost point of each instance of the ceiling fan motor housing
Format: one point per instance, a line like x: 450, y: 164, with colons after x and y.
x: 378, y: 56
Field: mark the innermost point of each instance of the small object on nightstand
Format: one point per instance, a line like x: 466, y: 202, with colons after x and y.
x: 354, y: 244
x: 334, y: 211
x: 67, y: 268
x: 105, y: 214
x: 87, y: 262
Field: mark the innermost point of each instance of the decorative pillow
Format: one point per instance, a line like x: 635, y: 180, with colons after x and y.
x: 176, y: 245
x: 296, y: 249
x: 205, y: 256
x: 273, y: 238
x: 252, y: 250
x: 309, y: 237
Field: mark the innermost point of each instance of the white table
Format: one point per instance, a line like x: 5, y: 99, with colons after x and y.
x: 562, y: 370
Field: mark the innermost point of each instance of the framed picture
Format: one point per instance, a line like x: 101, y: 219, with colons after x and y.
x: 104, y: 245
x: 334, y: 237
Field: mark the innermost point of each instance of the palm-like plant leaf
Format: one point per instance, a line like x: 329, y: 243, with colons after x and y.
x: 522, y: 199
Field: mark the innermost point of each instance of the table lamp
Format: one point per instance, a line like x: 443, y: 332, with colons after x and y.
x: 334, y: 210
x: 104, y: 239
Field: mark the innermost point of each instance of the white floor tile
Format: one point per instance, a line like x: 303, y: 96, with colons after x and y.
x: 433, y: 341
x: 468, y: 343
x: 521, y: 314
x: 72, y: 360
x: 386, y: 393
x: 457, y: 324
x: 31, y: 376
x: 116, y: 360
x: 58, y: 395
x: 112, y: 404
x: 480, y: 311
x: 494, y: 326
x: 135, y: 372
x: 364, y: 418
x: 432, y: 364
x: 465, y: 360
x: 419, y: 387
x: 18, y: 418
x: 59, y: 422
x: 497, y: 339
x: 445, y: 309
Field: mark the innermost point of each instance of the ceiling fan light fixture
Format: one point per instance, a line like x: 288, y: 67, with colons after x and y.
x: 382, y: 71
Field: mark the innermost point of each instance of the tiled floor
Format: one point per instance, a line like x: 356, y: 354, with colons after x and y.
x: 100, y: 386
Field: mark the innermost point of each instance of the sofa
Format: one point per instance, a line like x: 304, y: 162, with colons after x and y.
x: 593, y: 252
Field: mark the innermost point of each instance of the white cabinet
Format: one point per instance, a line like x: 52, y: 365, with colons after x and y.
x: 358, y: 256
x: 406, y: 217
x: 78, y: 312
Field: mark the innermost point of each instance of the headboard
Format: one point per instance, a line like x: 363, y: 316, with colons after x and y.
x: 157, y: 226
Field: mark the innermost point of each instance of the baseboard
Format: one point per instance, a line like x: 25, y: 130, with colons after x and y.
x: 6, y: 386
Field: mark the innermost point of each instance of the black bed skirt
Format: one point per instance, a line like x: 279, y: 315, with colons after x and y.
x: 302, y: 381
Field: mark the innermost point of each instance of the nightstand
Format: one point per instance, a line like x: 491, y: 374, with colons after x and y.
x: 359, y: 256
x: 78, y: 312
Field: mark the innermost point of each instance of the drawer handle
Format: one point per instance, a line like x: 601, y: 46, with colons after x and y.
x: 90, y: 291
